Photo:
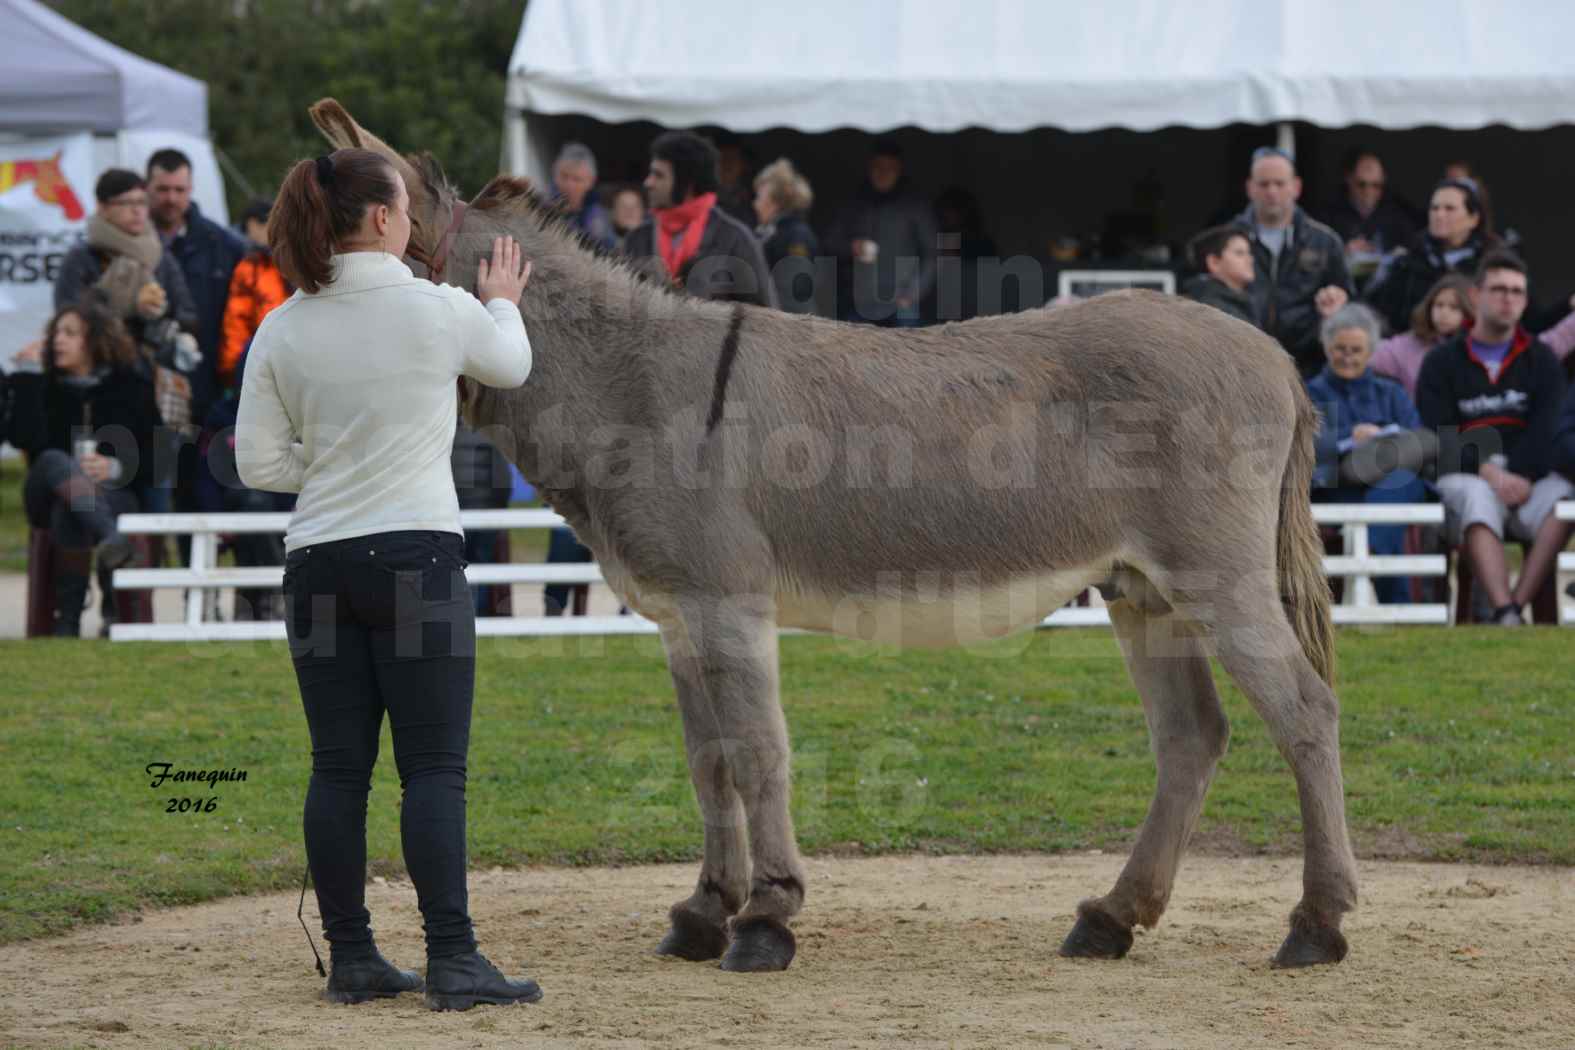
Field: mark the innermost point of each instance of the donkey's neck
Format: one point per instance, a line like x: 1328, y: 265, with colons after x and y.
x: 603, y: 340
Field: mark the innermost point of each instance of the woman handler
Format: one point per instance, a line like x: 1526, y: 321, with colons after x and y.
x: 349, y: 399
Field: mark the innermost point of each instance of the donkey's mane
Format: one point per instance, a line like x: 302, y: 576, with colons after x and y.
x: 515, y: 195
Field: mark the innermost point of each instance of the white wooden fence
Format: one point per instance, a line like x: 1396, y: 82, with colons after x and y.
x: 204, y: 578
x: 1566, y: 512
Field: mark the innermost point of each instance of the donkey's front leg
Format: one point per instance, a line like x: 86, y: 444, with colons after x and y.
x: 737, y: 653
x: 699, y: 921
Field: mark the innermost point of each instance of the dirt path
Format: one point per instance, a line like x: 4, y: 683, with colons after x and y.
x: 905, y: 952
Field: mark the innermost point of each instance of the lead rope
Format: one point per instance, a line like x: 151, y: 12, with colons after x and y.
x: 299, y: 910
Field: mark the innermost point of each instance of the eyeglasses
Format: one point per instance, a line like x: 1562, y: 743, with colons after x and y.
x: 127, y: 202
x: 1505, y: 290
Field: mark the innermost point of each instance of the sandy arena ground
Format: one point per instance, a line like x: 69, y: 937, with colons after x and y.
x: 907, y: 951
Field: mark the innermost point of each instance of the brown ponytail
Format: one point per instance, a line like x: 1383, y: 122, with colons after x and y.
x: 321, y: 203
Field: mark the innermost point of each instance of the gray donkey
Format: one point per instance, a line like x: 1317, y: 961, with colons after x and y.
x: 736, y: 470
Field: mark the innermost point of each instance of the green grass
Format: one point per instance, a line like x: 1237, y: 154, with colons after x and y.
x: 1457, y: 744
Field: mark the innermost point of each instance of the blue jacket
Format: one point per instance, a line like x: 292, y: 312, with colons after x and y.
x: 207, y: 254
x: 1369, y: 398
x: 1564, y: 437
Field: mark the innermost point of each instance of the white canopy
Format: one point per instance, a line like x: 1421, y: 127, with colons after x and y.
x: 1010, y: 65
x: 56, y: 76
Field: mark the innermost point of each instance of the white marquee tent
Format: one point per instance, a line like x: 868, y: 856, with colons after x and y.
x: 1012, y: 65
x: 56, y: 77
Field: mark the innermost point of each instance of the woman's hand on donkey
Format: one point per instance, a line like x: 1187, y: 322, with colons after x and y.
x: 506, y: 276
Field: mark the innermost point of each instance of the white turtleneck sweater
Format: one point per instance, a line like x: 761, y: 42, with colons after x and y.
x: 349, y: 397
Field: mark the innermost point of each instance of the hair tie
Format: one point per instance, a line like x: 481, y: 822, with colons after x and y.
x: 325, y: 171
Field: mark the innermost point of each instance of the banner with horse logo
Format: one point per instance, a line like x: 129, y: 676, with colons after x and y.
x: 46, y: 191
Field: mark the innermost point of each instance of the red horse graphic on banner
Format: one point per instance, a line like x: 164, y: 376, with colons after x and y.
x: 49, y: 184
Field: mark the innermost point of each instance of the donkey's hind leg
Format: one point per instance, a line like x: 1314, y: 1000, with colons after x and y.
x: 1188, y: 733
x: 1257, y: 647
x: 699, y: 922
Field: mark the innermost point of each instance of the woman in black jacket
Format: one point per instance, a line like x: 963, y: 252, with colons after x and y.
x: 83, y: 410
x: 1459, y: 233
x: 782, y: 198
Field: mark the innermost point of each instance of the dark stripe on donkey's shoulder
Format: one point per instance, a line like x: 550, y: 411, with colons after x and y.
x: 724, y: 368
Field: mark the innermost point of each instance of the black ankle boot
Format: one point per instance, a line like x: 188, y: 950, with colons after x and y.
x: 458, y: 982
x: 70, y: 596
x: 368, y: 977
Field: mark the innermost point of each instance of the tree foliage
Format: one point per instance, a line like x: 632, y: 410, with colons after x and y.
x: 423, y: 74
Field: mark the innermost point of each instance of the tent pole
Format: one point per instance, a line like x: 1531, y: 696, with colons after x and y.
x: 514, y: 147
x: 1285, y: 133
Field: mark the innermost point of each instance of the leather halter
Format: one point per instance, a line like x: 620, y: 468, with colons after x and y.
x: 438, y: 261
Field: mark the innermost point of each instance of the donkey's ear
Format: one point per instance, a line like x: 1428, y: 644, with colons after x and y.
x: 336, y: 124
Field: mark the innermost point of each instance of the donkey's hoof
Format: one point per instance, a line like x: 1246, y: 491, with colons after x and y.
x: 693, y: 938
x: 760, y: 945
x: 1096, y: 936
x: 1310, y: 944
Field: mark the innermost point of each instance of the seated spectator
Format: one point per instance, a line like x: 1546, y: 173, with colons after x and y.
x: 1457, y: 237
x: 884, y: 241
x: 699, y: 247
x: 83, y: 411
x: 256, y: 287
x: 628, y: 211
x: 1561, y: 338
x: 1369, y: 448
x: 573, y: 187
x: 1564, y: 462
x: 1508, y: 236
x: 1298, y: 263
x: 782, y: 199
x: 1371, y: 222
x: 1492, y: 395
x: 124, y: 259
x: 1436, y: 319
x: 1224, y: 255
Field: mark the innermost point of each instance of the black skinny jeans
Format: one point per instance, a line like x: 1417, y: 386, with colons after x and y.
x: 375, y: 623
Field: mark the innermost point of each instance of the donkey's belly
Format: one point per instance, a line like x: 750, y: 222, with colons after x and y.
x: 933, y: 612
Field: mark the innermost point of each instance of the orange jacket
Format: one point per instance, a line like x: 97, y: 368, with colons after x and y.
x: 256, y: 287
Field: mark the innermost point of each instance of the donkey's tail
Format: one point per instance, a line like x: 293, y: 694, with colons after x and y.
x: 1304, y: 589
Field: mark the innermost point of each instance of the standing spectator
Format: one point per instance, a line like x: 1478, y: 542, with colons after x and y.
x: 574, y: 188
x: 1371, y: 222
x: 1299, y: 263
x: 122, y: 258
x: 1445, y: 309
x: 962, y: 237
x: 782, y: 199
x: 1359, y: 408
x: 701, y: 248
x: 1492, y: 396
x: 1224, y: 254
x: 83, y: 411
x: 1457, y: 237
x: 256, y: 287
x: 735, y: 192
x: 206, y: 252
x: 884, y: 242
x: 482, y: 482
x: 628, y: 210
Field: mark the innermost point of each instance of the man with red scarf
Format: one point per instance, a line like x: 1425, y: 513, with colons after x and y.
x: 701, y: 247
